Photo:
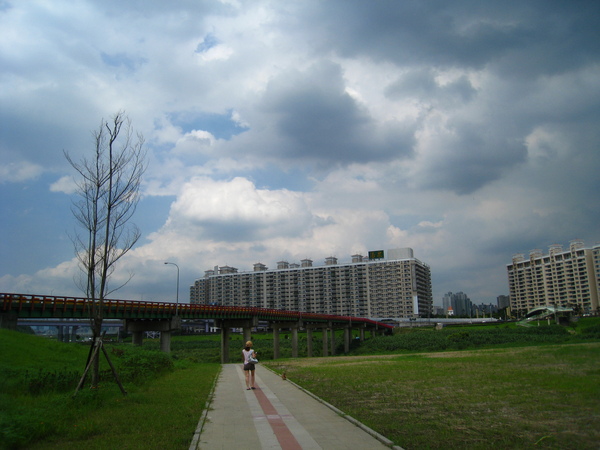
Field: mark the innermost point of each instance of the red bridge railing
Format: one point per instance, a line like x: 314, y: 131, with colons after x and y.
x: 42, y: 306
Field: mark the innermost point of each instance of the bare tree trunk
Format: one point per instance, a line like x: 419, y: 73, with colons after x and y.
x: 108, y: 189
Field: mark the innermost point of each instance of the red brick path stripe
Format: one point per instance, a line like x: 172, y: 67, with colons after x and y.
x: 282, y: 432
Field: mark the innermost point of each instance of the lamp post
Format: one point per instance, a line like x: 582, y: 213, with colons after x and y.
x: 177, y: 295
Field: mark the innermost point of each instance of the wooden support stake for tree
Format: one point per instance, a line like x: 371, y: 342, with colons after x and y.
x: 113, y: 370
x: 98, y: 344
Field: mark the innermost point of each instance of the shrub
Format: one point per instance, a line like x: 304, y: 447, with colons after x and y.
x: 592, y: 332
x: 50, y: 381
x: 458, y: 339
x: 138, y: 364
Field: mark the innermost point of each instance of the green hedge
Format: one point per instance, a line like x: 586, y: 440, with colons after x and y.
x: 459, y: 339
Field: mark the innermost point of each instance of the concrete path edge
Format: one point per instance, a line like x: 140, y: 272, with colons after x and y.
x: 385, y: 441
x: 198, y: 432
x: 362, y: 426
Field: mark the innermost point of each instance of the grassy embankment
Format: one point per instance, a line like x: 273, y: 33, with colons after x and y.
x: 540, y: 389
x: 37, y: 409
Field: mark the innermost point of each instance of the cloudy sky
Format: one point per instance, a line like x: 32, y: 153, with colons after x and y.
x: 283, y: 130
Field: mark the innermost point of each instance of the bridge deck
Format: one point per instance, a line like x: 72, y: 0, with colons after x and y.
x: 37, y: 306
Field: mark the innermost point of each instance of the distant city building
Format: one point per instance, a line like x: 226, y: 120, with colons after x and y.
x: 483, y: 309
x: 378, y: 288
x: 503, y: 301
x: 568, y: 278
x: 447, y: 302
x: 459, y: 302
x: 438, y: 310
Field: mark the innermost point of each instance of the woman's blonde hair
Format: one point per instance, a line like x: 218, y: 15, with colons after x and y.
x: 249, y: 344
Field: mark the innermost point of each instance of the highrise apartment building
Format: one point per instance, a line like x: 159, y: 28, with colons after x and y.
x: 596, y: 264
x: 399, y: 286
x: 569, y: 278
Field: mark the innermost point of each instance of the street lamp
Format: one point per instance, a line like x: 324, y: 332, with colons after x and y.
x: 177, y: 295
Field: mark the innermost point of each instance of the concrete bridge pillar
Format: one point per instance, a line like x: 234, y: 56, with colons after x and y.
x: 324, y: 327
x: 293, y: 326
x: 165, y: 326
x: 276, y: 343
x: 225, y: 325
x: 332, y: 340
x: 225, y: 331
x: 295, y: 341
x: 73, y: 337
x: 247, y: 334
x: 137, y: 337
x: 165, y: 341
x: 347, y: 336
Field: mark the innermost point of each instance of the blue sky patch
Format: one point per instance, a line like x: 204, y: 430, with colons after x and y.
x: 121, y: 60
x: 221, y: 126
x: 210, y: 41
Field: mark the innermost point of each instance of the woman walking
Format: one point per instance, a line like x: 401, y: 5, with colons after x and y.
x: 249, y: 367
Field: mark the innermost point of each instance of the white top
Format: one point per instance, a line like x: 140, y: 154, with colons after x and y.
x: 246, y: 355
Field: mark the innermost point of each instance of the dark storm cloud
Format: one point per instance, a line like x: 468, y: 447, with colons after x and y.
x: 319, y: 121
x: 421, y: 84
x: 470, y: 158
x: 37, y: 138
x: 529, y: 37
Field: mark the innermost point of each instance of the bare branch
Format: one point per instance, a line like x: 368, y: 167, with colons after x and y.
x: 108, y: 193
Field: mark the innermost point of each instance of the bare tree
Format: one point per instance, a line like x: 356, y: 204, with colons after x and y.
x: 108, y: 187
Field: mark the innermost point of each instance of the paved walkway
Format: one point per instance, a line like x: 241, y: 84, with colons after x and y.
x: 277, y: 415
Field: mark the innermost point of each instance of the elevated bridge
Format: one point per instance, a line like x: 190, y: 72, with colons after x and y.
x: 546, y: 312
x: 139, y: 316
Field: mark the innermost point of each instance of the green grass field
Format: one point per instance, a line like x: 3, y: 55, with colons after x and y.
x: 469, y: 387
x: 526, y: 397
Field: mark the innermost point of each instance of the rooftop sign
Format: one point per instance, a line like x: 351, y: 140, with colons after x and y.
x: 376, y: 254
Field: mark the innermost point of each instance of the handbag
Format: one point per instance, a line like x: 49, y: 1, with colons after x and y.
x: 252, y: 359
